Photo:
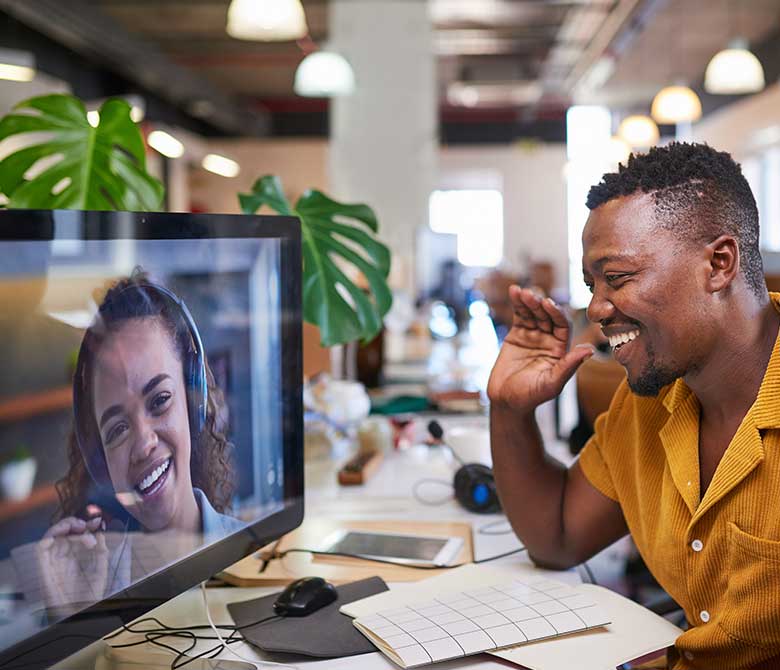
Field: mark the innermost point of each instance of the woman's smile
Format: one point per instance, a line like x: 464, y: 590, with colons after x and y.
x: 155, y: 479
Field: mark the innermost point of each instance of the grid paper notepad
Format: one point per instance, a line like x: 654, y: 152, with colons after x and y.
x: 468, y: 622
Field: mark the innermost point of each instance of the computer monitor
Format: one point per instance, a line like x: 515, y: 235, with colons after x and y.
x: 151, y: 428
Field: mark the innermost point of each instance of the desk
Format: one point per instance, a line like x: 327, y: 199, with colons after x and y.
x: 387, y: 495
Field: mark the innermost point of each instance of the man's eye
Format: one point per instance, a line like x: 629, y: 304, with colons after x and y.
x: 160, y: 400
x: 611, y: 278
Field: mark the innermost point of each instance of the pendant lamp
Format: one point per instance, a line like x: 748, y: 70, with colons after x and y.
x: 676, y: 104
x: 266, y: 20
x: 324, y: 74
x: 639, y: 131
x: 734, y: 71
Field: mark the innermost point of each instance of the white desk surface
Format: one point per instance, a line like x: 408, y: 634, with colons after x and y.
x: 388, y: 495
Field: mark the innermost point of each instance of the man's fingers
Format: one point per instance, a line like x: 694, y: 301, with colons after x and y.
x: 554, y: 312
x: 533, y: 303
x: 567, y: 365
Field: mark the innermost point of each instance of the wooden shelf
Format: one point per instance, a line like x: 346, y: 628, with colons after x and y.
x: 40, y: 496
x: 26, y: 406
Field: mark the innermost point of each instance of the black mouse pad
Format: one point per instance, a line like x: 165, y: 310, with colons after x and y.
x: 325, y: 633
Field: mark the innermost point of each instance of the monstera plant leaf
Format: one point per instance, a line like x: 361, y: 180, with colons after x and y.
x: 334, y: 235
x: 76, y: 166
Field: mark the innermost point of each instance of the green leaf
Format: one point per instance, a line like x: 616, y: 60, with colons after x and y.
x: 266, y: 191
x: 334, y: 235
x: 97, y: 168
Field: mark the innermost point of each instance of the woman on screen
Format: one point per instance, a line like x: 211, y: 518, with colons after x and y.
x: 147, y: 415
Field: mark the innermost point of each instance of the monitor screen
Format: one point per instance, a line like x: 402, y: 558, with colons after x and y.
x: 150, y: 412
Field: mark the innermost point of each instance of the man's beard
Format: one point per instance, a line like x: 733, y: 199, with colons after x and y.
x: 653, y: 377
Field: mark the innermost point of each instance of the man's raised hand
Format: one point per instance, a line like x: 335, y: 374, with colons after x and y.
x: 534, y: 362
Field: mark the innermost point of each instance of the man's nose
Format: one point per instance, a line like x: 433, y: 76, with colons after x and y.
x: 600, y: 308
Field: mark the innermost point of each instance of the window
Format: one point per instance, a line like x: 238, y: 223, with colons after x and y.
x: 588, y: 130
x: 477, y: 218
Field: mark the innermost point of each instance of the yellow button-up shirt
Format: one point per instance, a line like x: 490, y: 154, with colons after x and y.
x: 718, y: 555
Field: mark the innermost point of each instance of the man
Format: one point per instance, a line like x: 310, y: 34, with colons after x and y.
x: 687, y: 459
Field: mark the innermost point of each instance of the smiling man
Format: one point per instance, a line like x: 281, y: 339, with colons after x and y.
x: 687, y: 458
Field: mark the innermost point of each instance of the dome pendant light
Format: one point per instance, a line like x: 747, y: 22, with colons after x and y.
x: 734, y: 71
x: 266, y: 20
x: 640, y: 132
x: 676, y: 104
x: 324, y: 74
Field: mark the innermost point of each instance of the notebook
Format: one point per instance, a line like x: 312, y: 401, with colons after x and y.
x: 632, y: 630
x: 461, y: 623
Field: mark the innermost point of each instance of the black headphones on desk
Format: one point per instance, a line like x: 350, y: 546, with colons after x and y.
x: 474, y: 484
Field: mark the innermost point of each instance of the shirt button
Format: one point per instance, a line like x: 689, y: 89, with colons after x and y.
x: 705, y: 616
x: 688, y: 655
x: 697, y: 545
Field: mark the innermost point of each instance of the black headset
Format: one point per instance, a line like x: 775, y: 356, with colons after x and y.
x: 474, y: 484
x: 194, y: 367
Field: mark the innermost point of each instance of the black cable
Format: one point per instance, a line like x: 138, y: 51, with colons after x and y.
x: 154, y: 635
x: 165, y: 627
x: 431, y: 503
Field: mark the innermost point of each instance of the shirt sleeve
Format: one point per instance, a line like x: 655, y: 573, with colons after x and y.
x: 593, y: 463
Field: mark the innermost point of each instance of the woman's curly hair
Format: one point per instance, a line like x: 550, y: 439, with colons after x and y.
x: 211, y: 457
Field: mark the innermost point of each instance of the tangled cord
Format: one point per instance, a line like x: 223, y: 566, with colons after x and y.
x: 161, y: 631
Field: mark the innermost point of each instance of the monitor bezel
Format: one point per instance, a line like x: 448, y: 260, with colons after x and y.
x: 69, y: 635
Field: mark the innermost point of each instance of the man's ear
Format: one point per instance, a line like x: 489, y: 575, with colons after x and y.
x: 723, y: 256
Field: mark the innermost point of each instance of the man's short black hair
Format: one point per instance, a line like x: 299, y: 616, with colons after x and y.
x: 699, y: 194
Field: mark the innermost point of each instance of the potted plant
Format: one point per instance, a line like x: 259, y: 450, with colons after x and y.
x: 104, y: 167
x: 17, y: 474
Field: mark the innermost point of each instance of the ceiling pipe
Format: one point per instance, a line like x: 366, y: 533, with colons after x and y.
x: 83, y: 28
x: 611, y: 30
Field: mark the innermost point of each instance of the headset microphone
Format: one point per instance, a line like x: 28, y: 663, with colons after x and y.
x: 475, y: 486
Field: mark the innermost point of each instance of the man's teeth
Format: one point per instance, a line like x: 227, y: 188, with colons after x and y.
x: 153, y: 476
x: 622, y: 338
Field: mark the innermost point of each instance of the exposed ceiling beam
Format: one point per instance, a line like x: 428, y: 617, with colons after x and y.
x: 86, y: 30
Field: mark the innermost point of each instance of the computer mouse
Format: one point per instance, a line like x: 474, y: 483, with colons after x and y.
x: 304, y: 596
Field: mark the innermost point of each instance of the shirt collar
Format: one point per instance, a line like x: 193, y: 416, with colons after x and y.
x: 765, y: 409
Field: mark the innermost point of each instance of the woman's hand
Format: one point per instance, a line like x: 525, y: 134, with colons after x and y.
x: 73, y: 562
x: 534, y: 363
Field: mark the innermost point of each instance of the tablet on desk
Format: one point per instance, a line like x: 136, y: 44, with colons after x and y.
x: 405, y: 549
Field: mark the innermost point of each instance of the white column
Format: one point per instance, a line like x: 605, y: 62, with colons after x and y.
x: 384, y: 140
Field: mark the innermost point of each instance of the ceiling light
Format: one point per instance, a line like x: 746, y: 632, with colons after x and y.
x: 16, y: 65
x: 733, y: 71
x: 166, y: 144
x: 266, y: 20
x: 462, y: 94
x: 136, y: 114
x: 93, y: 116
x: 221, y: 165
x: 676, y: 104
x: 619, y: 150
x: 639, y: 131
x: 324, y: 74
